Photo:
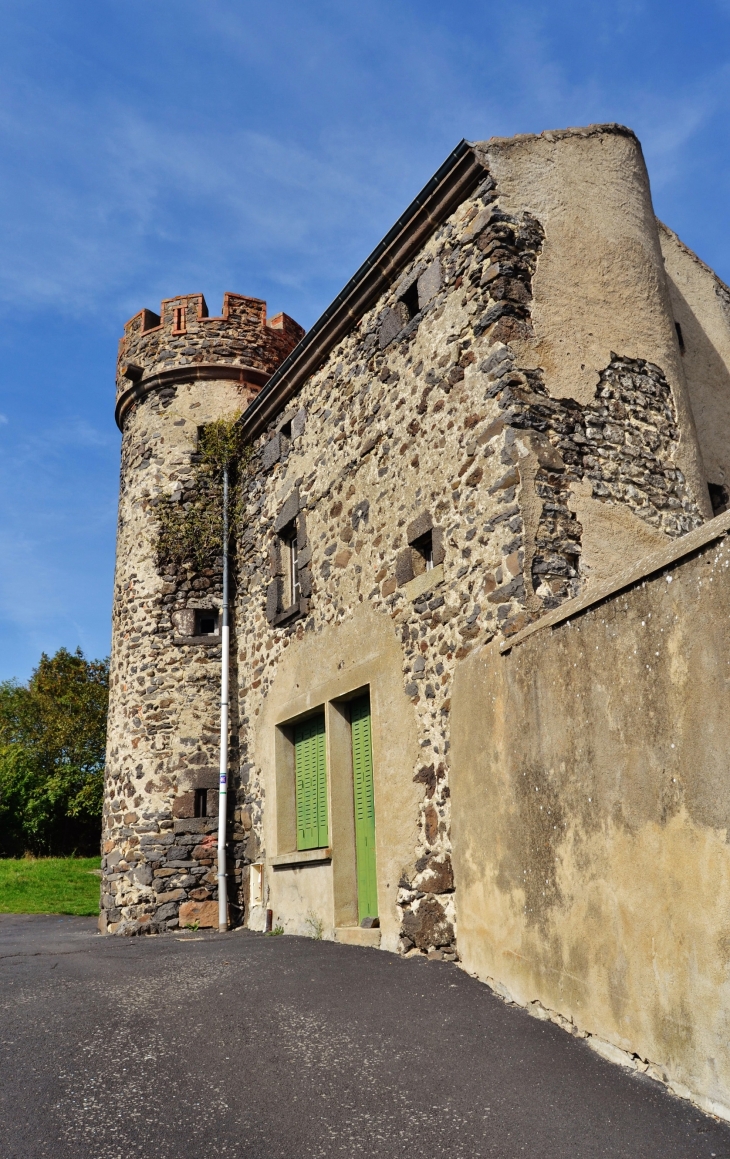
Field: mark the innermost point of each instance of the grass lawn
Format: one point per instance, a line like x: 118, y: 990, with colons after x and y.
x: 49, y: 885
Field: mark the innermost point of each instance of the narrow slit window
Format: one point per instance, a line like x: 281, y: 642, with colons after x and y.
x: 201, y: 803
x: 680, y: 336
x: 290, y: 550
x: 410, y: 300
x: 423, y: 553
x: 179, y: 320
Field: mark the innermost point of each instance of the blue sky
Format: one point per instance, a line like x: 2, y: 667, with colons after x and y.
x: 149, y: 149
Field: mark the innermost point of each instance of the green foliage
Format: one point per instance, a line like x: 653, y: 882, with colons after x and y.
x: 191, y: 531
x: 52, y: 744
x: 50, y: 885
x: 221, y: 444
x: 316, y: 926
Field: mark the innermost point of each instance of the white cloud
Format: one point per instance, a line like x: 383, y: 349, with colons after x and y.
x: 101, y: 197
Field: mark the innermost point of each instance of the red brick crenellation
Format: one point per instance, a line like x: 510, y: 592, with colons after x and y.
x: 183, y: 334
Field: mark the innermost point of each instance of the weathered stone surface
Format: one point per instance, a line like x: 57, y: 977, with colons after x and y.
x: 271, y: 452
x: 419, y: 526
x: 429, y: 283
x: 166, y: 911
x: 404, y: 566
x: 427, y: 926
x: 143, y: 875
x: 288, y: 512
x: 390, y: 326
x: 438, y: 876
x: 205, y: 913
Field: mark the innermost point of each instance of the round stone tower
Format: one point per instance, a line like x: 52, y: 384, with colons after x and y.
x: 176, y: 372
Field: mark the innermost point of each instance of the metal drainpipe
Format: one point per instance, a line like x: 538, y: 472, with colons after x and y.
x: 223, y: 790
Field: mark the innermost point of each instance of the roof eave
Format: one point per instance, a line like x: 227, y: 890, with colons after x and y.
x: 450, y: 185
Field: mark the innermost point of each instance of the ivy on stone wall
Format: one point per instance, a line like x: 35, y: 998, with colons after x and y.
x: 191, y: 525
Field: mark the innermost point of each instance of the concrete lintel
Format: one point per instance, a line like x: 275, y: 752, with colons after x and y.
x: 300, y: 857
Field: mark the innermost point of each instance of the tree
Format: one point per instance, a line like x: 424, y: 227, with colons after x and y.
x: 52, y: 744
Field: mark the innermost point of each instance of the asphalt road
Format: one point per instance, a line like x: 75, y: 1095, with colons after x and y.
x: 198, y: 1046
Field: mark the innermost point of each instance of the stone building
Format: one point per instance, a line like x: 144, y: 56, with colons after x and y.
x: 510, y: 426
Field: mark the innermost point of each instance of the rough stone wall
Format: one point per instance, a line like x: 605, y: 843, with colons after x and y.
x: 423, y: 411
x: 163, y: 726
x: 623, y: 444
x: 429, y: 415
x: 159, y: 860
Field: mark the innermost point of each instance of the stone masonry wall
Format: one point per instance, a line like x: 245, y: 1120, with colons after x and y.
x: 421, y: 418
x: 422, y: 414
x: 159, y: 860
x: 163, y: 725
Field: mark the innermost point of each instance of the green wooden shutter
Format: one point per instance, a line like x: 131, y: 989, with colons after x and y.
x: 362, y: 769
x: 311, y: 783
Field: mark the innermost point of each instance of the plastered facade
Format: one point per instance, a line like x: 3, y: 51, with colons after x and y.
x: 504, y: 381
x: 701, y: 309
x: 590, y: 821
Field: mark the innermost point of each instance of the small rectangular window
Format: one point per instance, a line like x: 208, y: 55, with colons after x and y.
x: 310, y: 763
x: 201, y: 803
x: 206, y: 623
x: 178, y: 325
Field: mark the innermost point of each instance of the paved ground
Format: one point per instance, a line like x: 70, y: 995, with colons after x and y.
x: 194, y: 1047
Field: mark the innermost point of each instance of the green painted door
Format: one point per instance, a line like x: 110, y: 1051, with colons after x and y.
x: 311, y: 783
x: 362, y: 768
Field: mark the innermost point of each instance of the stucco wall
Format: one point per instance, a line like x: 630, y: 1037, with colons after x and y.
x: 701, y: 305
x: 590, y: 816
x: 316, y: 670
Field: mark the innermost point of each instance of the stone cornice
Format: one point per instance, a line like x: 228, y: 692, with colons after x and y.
x: 246, y: 375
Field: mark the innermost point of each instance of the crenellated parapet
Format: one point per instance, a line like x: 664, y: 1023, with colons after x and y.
x: 183, y: 344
